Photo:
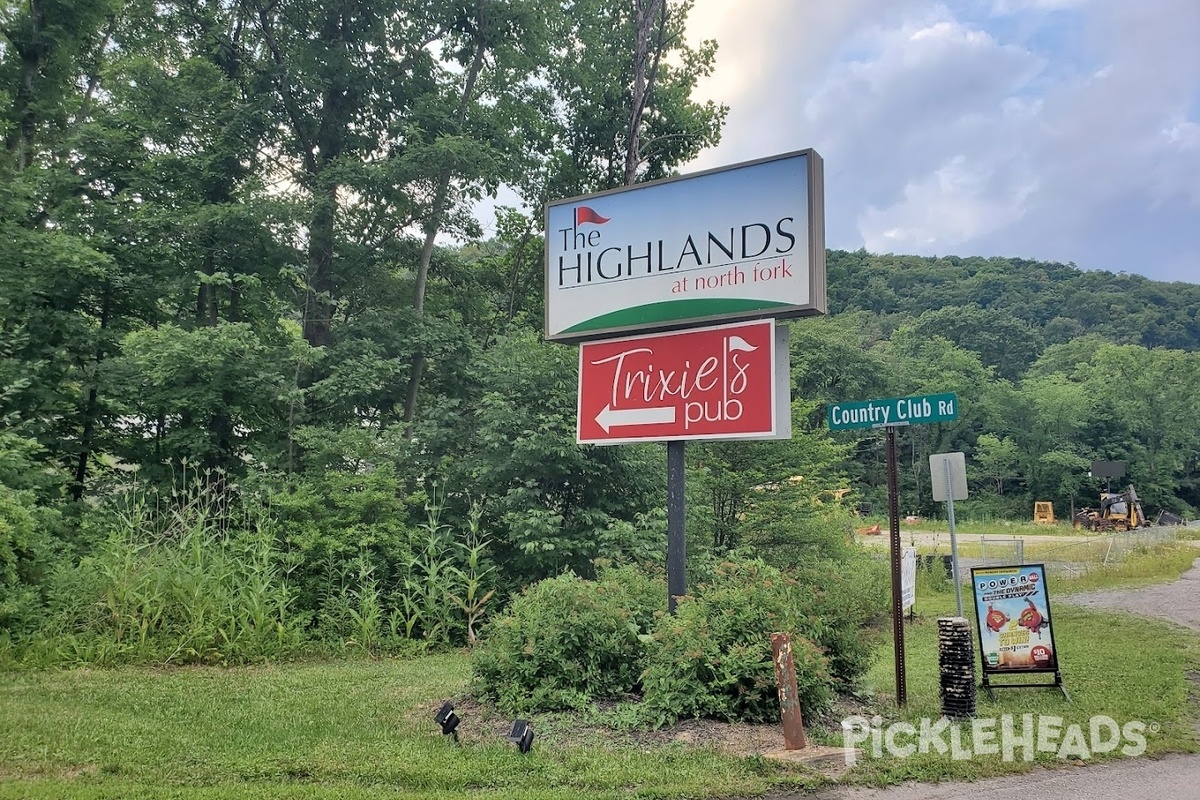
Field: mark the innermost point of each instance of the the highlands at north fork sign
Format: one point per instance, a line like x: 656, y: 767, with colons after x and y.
x: 736, y: 243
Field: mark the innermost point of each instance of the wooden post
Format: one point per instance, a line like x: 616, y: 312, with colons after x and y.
x: 789, y: 700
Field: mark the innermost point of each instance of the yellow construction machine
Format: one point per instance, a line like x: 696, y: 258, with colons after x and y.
x: 1043, y: 513
x: 1119, y: 511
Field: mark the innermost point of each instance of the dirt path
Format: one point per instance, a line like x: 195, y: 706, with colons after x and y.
x: 1178, y: 601
x: 941, y: 539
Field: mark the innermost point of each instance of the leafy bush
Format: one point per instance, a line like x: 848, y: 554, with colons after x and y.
x: 848, y: 598
x: 567, y: 642
x: 30, y: 531
x: 563, y: 643
x: 24, y: 554
x: 713, y: 658
x: 645, y: 589
x: 331, y: 518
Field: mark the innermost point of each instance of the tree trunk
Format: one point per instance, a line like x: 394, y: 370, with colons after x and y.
x: 91, y: 407
x: 647, y: 14
x: 318, y: 302
x: 433, y: 224
x: 33, y: 53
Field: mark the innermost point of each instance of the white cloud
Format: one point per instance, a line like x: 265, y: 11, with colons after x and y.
x: 953, y: 205
x: 1048, y: 129
x: 1017, y: 6
x: 770, y: 54
x: 922, y: 136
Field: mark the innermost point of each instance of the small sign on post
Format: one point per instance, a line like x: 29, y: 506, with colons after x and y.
x: 908, y: 578
x: 953, y: 488
x: 948, y: 476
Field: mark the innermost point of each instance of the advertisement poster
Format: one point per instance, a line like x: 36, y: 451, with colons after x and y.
x: 1012, y: 615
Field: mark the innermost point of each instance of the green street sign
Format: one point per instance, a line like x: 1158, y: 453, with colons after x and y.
x: 920, y: 410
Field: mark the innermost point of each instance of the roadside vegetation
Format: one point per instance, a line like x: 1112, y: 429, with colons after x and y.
x: 360, y: 727
x: 1144, y: 679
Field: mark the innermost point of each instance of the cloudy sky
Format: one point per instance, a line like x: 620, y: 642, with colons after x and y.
x: 1064, y: 130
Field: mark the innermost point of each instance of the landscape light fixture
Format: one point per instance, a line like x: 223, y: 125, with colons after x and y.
x: 521, y: 735
x: 446, y: 717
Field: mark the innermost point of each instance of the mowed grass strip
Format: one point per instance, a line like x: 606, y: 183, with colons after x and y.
x: 349, y: 729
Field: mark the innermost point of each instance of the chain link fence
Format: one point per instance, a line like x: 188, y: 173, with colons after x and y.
x: 1000, y: 551
x: 1079, y: 558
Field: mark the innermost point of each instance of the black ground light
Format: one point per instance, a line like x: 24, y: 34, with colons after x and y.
x: 446, y: 717
x: 521, y: 735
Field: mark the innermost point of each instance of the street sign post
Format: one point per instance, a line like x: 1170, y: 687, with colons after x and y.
x: 720, y: 382
x: 889, y: 413
x: 948, y: 478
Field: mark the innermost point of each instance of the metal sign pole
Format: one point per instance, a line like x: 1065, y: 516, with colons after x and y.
x: 897, y: 599
x: 953, y: 538
x: 676, y: 516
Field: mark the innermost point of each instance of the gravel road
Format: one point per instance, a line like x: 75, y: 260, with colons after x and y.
x: 1169, y: 778
x: 1178, y: 601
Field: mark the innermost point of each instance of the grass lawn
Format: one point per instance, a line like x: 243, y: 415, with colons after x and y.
x: 353, y: 729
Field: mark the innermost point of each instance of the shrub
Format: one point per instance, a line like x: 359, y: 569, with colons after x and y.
x: 847, y: 598
x: 24, y: 554
x: 563, y: 643
x: 713, y: 658
x: 645, y: 590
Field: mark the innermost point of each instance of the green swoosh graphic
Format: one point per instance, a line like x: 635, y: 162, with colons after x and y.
x: 674, y: 311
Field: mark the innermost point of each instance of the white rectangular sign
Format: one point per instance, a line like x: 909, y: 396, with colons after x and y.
x: 908, y: 578
x: 958, y: 476
x: 740, y: 242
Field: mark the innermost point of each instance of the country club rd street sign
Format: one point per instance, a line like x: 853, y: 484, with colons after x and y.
x: 724, y: 381
x: 919, y: 410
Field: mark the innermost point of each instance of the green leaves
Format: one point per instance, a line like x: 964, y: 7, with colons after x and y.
x: 563, y: 643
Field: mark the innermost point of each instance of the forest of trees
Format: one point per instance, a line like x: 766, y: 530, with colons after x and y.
x: 225, y: 297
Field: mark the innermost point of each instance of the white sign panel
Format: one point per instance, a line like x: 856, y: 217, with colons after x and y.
x: 958, y: 475
x: 908, y: 578
x: 741, y: 242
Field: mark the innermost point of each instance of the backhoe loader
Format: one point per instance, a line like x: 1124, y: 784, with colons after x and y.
x: 1119, y: 511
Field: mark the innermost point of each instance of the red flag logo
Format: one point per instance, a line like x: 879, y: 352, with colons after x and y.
x: 584, y: 214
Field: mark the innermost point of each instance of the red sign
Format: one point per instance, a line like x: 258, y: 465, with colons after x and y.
x: 702, y: 383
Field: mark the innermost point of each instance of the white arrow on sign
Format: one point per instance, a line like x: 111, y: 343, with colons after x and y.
x: 611, y: 417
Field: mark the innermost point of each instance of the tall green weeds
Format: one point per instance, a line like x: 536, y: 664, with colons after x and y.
x: 186, y: 578
x: 441, y: 594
